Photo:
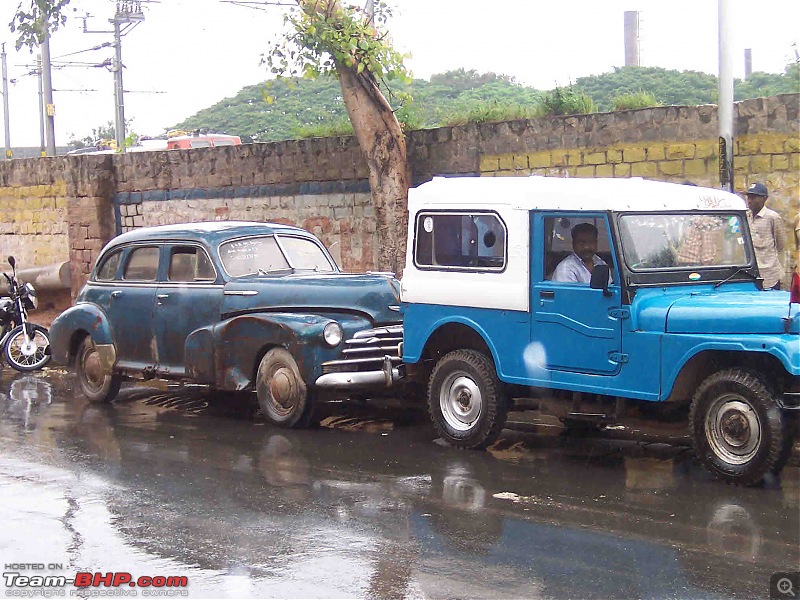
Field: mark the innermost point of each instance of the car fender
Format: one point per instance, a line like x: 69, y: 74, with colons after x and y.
x: 72, y: 324
x: 240, y: 342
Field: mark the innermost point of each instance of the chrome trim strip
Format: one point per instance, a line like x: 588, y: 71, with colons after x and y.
x: 240, y: 293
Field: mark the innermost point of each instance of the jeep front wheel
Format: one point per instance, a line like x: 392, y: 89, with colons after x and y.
x: 737, y: 427
x: 282, y: 393
x: 467, y: 402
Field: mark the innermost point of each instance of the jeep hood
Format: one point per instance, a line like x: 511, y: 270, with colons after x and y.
x: 732, y: 312
x: 367, y: 294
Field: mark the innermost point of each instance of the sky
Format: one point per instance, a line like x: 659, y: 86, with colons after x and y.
x: 190, y: 54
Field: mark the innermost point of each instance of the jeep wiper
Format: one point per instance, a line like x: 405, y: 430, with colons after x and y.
x: 734, y: 274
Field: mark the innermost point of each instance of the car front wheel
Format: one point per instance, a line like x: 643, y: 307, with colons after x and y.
x: 737, y: 427
x: 282, y: 393
x: 97, y: 385
x: 467, y: 402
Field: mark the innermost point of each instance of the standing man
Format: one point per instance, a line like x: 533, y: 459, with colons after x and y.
x: 797, y: 243
x: 769, y: 236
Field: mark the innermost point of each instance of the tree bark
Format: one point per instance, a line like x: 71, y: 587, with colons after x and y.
x: 382, y: 141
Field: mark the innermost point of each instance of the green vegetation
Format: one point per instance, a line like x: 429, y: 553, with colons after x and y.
x: 302, y: 107
x: 568, y: 101
x: 634, y: 100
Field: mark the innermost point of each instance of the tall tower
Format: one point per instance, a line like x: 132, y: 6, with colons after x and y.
x: 631, y: 38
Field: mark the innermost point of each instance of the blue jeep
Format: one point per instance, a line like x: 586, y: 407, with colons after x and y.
x: 585, y: 297
x: 235, y: 306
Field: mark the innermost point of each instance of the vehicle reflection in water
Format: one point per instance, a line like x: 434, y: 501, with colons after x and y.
x: 26, y: 396
x: 280, y: 512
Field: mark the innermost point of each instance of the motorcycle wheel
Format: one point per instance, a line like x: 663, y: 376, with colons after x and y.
x: 29, y: 356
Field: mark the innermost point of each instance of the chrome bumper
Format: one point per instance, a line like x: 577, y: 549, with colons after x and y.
x: 387, y: 376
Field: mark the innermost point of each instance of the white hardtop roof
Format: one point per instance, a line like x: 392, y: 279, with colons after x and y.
x: 559, y: 193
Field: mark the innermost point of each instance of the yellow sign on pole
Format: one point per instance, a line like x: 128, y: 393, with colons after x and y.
x: 51, y: 110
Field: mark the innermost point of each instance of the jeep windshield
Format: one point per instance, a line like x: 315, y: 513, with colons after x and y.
x: 695, y: 241
x: 273, y: 255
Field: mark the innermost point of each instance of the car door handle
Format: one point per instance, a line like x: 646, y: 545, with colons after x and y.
x: 116, y: 294
x: 162, y: 296
x: 547, y: 294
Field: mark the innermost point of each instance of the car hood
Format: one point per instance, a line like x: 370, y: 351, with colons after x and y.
x: 368, y: 294
x: 732, y: 312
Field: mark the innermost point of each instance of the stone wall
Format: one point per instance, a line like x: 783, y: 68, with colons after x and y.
x: 66, y: 208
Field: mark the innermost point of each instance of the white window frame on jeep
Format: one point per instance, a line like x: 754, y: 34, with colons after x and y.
x: 512, y: 199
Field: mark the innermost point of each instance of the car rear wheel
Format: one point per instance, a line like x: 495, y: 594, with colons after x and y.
x: 95, y: 383
x: 282, y: 393
x: 737, y: 427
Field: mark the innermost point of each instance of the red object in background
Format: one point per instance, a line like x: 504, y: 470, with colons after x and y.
x: 794, y: 289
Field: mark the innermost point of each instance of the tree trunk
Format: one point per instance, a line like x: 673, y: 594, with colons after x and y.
x: 381, y: 140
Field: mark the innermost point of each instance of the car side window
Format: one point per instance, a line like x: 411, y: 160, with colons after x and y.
x: 190, y: 263
x: 568, y: 236
x: 142, y: 264
x: 471, y: 241
x: 108, y: 270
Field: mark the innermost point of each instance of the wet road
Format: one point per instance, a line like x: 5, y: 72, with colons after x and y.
x: 177, y: 482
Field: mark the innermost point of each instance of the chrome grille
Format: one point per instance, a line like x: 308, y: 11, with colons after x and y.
x: 366, y: 350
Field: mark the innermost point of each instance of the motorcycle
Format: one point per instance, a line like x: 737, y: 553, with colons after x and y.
x: 25, y: 345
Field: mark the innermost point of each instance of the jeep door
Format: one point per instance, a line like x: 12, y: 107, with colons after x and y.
x: 579, y: 328
x: 188, y: 298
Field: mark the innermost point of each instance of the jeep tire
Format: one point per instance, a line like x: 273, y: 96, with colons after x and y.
x: 736, y: 426
x: 98, y: 386
x: 282, y: 393
x: 466, y: 400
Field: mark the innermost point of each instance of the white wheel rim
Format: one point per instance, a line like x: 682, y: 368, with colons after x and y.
x: 461, y: 401
x: 733, y: 429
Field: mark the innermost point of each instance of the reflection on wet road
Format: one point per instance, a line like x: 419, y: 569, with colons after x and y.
x: 181, y: 482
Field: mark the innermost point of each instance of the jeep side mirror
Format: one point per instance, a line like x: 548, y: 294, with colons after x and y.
x: 599, y: 279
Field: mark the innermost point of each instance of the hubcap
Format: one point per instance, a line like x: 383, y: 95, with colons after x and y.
x: 281, y: 388
x: 92, y: 368
x: 733, y: 429
x: 460, y: 400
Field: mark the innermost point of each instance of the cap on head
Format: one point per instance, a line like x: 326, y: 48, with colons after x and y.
x: 757, y: 189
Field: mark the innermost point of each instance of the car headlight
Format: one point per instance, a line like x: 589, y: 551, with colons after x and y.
x: 333, y: 334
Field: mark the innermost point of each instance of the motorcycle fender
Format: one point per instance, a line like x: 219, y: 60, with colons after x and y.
x: 72, y: 325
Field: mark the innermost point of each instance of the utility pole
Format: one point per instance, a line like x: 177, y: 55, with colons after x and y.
x: 5, y: 102
x: 42, y: 143
x: 725, y: 103
x: 128, y: 13
x: 49, y: 106
x: 370, y: 8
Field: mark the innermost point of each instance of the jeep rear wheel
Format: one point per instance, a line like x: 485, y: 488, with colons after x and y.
x: 282, y: 393
x: 737, y: 427
x: 467, y: 403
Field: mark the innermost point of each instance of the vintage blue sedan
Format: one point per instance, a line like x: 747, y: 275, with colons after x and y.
x: 237, y: 306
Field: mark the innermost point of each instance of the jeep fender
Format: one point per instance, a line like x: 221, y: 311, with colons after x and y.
x: 226, y: 355
x: 414, y: 354
x: 72, y: 325
x: 678, y: 351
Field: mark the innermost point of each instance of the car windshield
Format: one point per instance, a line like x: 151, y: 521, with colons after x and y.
x: 664, y: 241
x: 263, y: 255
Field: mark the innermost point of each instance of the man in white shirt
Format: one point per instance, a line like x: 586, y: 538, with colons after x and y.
x: 578, y: 266
x: 769, y: 236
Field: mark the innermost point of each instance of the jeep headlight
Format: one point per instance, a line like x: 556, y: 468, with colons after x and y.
x: 333, y: 334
